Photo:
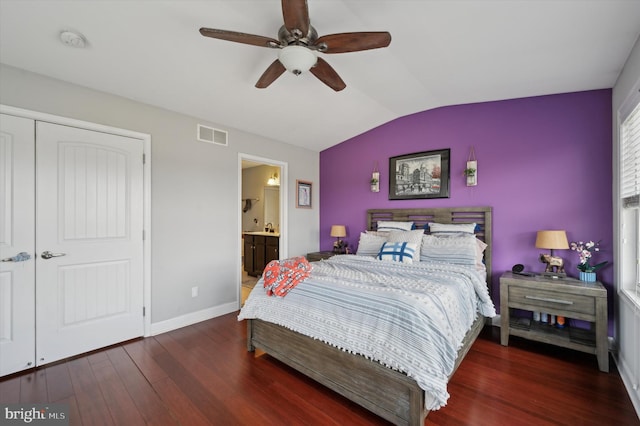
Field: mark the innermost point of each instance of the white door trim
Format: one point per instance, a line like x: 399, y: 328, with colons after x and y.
x: 284, y: 213
x: 146, y: 139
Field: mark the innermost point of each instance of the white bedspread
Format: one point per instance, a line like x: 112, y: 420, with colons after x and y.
x: 412, y: 318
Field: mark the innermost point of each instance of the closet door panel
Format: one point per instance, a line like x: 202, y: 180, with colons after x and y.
x: 89, y: 240
x: 17, y: 235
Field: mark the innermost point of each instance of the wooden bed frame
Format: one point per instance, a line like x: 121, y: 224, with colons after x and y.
x: 353, y: 376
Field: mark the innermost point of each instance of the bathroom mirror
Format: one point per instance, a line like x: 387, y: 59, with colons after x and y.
x: 272, y: 206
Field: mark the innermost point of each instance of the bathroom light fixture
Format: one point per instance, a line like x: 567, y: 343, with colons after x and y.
x: 73, y: 39
x: 273, y: 180
x: 297, y: 59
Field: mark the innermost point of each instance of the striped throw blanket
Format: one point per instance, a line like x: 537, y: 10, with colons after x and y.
x: 409, y: 317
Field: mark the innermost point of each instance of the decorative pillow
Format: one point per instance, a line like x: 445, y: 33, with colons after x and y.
x: 438, y: 228
x: 413, y: 237
x: 461, y: 250
x: 369, y: 245
x: 480, y: 247
x: 398, y: 252
x: 395, y: 226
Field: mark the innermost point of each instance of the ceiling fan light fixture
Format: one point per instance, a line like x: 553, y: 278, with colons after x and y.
x: 297, y: 59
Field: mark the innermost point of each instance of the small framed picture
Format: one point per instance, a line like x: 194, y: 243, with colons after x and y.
x: 303, y: 194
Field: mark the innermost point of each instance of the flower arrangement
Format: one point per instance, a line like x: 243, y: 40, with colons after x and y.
x: 585, y: 252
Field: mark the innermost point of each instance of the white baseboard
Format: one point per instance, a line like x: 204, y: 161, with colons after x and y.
x: 192, y: 318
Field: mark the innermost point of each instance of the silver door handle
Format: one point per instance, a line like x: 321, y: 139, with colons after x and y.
x: 20, y: 257
x: 48, y: 255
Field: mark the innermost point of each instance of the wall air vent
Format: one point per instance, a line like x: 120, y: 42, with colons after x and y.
x: 211, y: 135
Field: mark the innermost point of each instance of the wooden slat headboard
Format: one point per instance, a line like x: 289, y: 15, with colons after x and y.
x: 420, y: 217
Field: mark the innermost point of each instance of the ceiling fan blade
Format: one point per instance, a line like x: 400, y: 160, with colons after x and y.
x: 327, y: 75
x: 353, y: 42
x: 274, y: 71
x: 237, y: 37
x: 296, y: 17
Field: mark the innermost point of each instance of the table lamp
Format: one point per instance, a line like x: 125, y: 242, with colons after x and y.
x: 552, y: 240
x: 338, y: 231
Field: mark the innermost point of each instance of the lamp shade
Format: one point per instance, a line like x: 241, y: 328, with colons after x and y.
x: 552, y: 239
x: 297, y: 59
x: 338, y: 231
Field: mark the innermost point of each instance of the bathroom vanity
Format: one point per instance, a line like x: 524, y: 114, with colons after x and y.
x: 260, y: 248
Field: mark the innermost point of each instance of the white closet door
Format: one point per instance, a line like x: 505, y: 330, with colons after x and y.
x: 17, y: 279
x: 89, y: 240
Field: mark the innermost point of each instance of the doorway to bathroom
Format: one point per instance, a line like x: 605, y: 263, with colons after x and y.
x: 262, y: 221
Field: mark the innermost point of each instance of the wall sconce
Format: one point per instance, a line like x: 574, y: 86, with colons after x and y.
x: 375, y: 179
x: 339, y: 231
x: 471, y: 171
x: 273, y: 180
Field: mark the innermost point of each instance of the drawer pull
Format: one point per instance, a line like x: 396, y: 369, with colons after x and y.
x: 547, y: 299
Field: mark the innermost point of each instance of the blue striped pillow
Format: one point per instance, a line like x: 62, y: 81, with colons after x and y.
x: 397, y: 252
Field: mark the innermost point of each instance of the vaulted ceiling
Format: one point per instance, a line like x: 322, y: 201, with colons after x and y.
x: 442, y: 53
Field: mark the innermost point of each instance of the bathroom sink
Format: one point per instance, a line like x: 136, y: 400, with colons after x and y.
x: 266, y: 234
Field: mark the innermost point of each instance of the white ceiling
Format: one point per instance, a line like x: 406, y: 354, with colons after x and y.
x: 442, y: 53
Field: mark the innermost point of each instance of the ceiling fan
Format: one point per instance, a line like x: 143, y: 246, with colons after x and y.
x: 299, y: 43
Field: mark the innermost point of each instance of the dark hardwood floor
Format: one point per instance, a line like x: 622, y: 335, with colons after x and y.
x: 202, y: 374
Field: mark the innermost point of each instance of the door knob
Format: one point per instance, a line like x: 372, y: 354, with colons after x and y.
x: 48, y: 255
x: 20, y: 257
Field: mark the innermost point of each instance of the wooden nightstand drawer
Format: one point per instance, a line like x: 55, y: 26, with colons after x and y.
x: 530, y: 299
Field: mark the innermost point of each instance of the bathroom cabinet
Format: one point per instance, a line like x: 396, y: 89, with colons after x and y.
x: 259, y: 249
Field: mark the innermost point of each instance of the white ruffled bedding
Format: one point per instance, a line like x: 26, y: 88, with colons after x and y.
x: 411, y: 318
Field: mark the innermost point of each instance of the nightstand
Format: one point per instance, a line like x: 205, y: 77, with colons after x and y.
x: 319, y: 255
x: 566, y: 297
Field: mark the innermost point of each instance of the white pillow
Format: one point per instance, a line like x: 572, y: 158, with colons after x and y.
x: 461, y: 250
x: 395, y: 226
x: 413, y: 237
x: 369, y: 245
x: 398, y: 252
x: 379, y: 233
x: 467, y: 228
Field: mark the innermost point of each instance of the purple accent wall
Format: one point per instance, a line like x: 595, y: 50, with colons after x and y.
x: 543, y: 163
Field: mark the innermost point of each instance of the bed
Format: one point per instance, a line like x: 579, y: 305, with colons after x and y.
x: 360, y: 378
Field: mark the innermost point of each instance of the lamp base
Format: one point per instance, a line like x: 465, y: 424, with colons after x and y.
x: 554, y: 275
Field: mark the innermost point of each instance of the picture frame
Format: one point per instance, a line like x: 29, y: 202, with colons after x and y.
x: 304, y: 194
x: 420, y: 175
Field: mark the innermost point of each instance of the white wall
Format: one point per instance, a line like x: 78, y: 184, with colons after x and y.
x: 194, y: 194
x: 627, y: 314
